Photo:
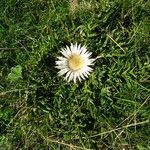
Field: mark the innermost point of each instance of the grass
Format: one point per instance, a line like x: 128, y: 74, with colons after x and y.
x: 110, y: 110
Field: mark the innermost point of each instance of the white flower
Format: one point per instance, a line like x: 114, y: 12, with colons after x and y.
x: 75, y: 63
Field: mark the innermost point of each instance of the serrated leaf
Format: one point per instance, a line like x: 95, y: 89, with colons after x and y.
x: 15, y: 74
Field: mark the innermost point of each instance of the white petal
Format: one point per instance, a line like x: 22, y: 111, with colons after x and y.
x: 76, y: 46
x: 67, y: 75
x: 74, y: 49
x: 75, y: 77
x: 83, y: 50
x: 86, y: 71
x: 92, y: 61
x: 63, y: 71
x: 89, y: 69
x: 87, y: 54
x: 78, y: 76
x: 85, y: 74
x: 61, y: 67
x: 72, y: 46
x: 61, y: 63
x: 68, y: 51
x: 70, y: 77
x: 61, y: 58
x: 79, y: 48
x: 82, y: 76
x: 64, y: 52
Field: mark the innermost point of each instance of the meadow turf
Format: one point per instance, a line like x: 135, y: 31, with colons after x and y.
x: 108, y: 111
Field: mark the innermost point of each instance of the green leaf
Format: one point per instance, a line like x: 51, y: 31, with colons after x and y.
x: 67, y: 136
x: 15, y: 74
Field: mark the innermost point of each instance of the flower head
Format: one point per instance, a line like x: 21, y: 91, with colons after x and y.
x: 75, y: 63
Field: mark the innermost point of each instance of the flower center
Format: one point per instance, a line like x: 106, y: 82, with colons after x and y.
x: 75, y: 62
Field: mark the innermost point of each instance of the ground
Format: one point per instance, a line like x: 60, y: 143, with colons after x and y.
x: 108, y: 111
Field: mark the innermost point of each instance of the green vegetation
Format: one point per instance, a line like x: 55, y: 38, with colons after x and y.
x: 39, y: 110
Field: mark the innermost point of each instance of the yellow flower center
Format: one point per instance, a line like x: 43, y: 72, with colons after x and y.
x: 75, y: 62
